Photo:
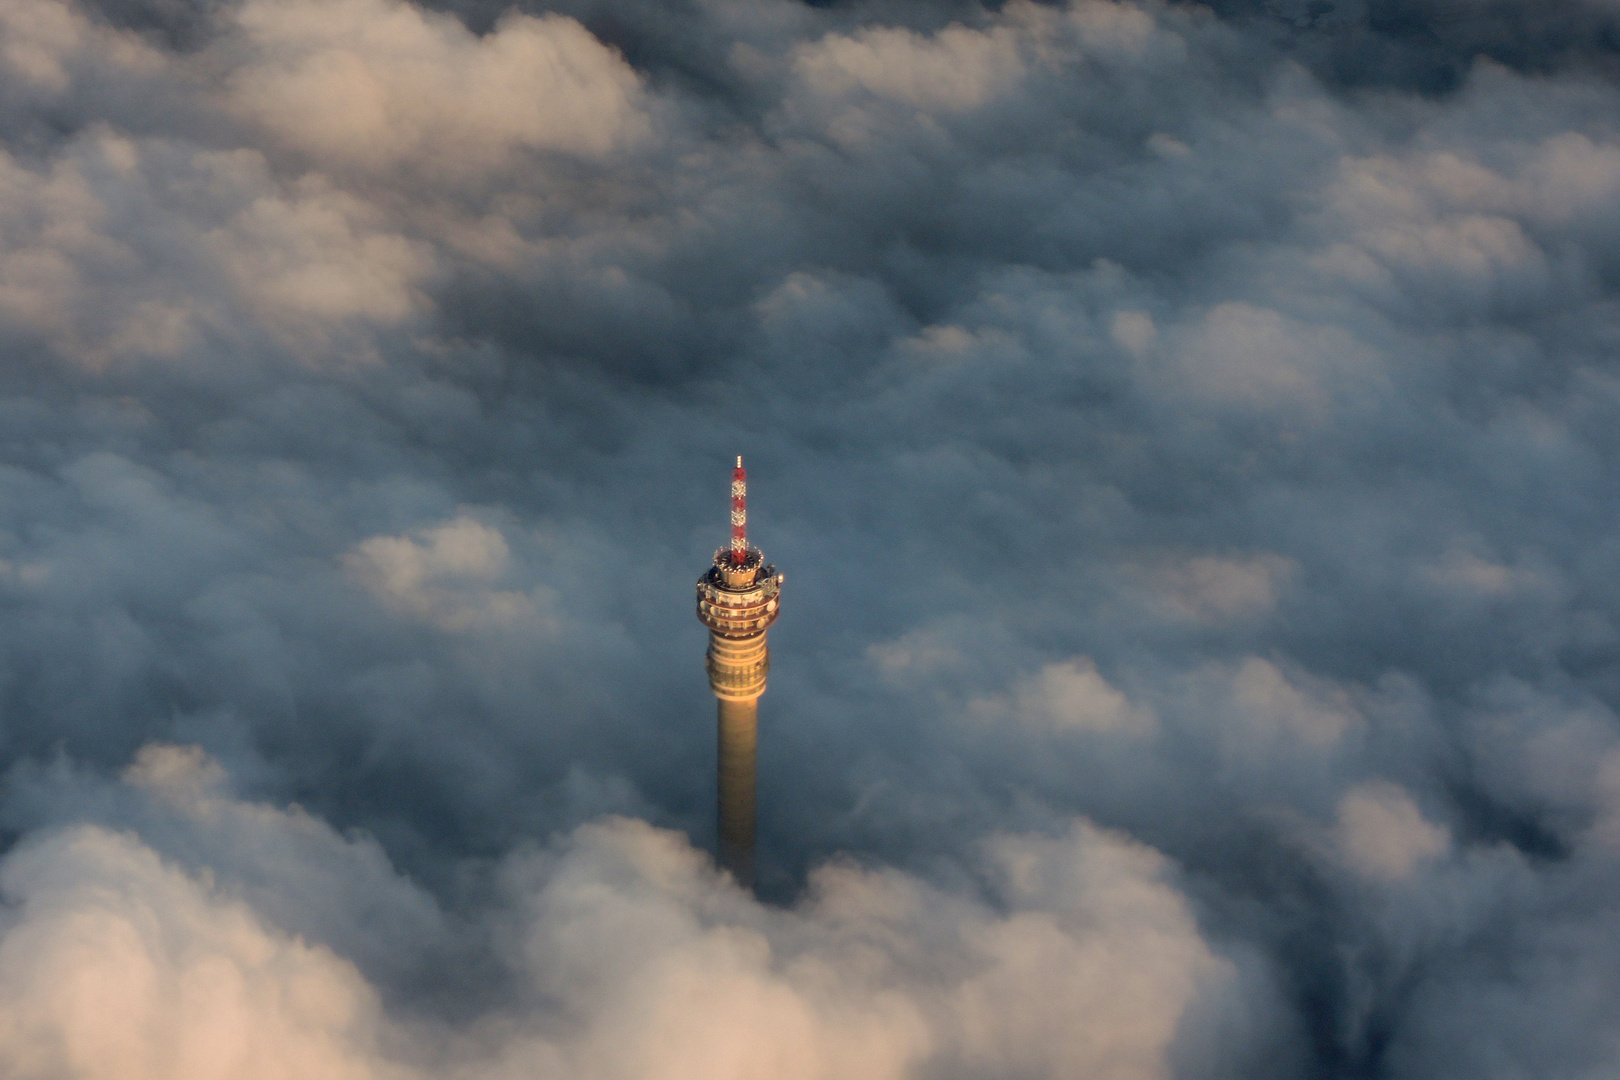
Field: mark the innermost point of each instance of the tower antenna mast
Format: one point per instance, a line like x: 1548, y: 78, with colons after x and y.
x: 739, y: 514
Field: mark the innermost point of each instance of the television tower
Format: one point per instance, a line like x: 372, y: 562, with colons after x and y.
x: 737, y: 601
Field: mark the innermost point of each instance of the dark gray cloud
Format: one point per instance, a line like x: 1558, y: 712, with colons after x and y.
x: 1188, y: 434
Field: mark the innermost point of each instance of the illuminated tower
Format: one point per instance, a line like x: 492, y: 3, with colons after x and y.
x: 737, y: 601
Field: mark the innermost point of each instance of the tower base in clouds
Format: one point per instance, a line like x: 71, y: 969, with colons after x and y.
x: 738, y: 743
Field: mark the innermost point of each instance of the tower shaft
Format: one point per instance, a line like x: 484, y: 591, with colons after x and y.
x: 738, y: 743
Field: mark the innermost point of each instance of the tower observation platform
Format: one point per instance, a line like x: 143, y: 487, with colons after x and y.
x: 738, y: 600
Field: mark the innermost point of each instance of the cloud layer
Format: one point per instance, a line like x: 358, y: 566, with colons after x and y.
x: 1189, y: 435
x: 624, y: 954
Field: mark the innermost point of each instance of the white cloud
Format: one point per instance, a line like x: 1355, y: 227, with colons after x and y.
x: 1382, y: 834
x: 450, y: 575
x: 1570, y: 177
x: 314, y: 252
x: 1464, y: 573
x: 1262, y: 711
x: 1086, y: 970
x: 1062, y: 698
x: 1241, y: 356
x: 1210, y: 588
x: 954, y: 69
x: 1271, y: 701
x: 1116, y: 30
x: 44, y: 44
x: 96, y: 252
x: 1073, y: 696
x: 379, y: 85
x: 1134, y: 330
x: 959, y: 69
x: 633, y: 959
x: 116, y: 966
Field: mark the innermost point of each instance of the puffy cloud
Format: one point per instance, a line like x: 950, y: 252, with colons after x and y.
x: 379, y: 85
x: 1246, y: 357
x: 116, y: 964
x: 955, y: 69
x: 1071, y: 696
x: 321, y: 254
x: 1086, y: 963
x: 626, y: 955
x: 1268, y: 704
x: 1210, y: 588
x: 48, y: 44
x: 297, y: 260
x: 1383, y: 835
x: 446, y: 576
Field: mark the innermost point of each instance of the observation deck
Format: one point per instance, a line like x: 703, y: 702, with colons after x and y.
x: 738, y: 603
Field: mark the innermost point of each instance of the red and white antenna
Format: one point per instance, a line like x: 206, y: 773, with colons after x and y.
x: 739, y: 514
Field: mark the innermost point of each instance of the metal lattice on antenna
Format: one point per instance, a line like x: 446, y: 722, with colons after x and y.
x: 739, y: 514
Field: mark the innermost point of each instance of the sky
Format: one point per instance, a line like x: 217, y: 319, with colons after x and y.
x: 1190, y: 435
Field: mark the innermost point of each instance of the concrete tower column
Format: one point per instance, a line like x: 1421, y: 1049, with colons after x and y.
x: 738, y: 743
x: 737, y: 600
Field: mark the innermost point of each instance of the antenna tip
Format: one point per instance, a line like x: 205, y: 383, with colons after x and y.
x: 739, y: 461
